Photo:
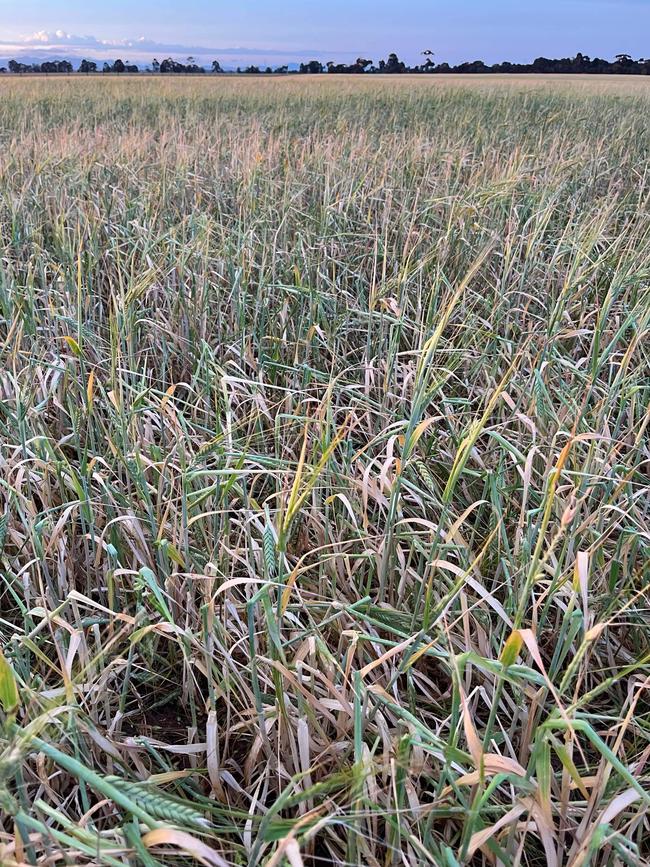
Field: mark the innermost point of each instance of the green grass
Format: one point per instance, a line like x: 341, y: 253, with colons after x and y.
x: 324, y: 472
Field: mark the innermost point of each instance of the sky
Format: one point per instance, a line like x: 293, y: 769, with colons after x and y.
x: 276, y: 31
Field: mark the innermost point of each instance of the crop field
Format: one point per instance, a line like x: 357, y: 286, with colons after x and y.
x: 324, y: 471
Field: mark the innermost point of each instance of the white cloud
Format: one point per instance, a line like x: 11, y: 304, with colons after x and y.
x: 62, y: 37
x: 43, y: 45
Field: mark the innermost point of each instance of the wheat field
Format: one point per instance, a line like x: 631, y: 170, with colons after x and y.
x: 324, y: 471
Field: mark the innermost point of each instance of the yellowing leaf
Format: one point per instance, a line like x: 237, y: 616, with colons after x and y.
x: 511, y: 649
x: 421, y: 428
x: 9, y: 697
x: 473, y: 740
x: 187, y: 843
x: 581, y: 580
x: 166, y: 396
x: 595, y: 631
x: 74, y: 346
x: 90, y: 388
x: 173, y: 554
x: 492, y: 764
x: 480, y: 838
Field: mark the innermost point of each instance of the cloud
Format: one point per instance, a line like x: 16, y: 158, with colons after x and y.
x: 58, y: 38
x: 42, y: 45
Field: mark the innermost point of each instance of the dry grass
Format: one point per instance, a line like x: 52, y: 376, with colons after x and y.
x: 324, y: 472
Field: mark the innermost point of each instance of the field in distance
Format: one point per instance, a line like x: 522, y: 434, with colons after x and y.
x: 621, y: 84
x: 324, y: 481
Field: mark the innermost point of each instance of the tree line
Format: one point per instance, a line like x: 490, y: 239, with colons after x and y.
x: 580, y: 64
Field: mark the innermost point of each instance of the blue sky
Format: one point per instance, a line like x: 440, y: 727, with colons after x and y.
x: 276, y: 30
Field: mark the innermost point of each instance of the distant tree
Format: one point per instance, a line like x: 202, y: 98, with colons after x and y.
x: 170, y: 65
x: 505, y: 67
x: 16, y: 66
x: 313, y: 67
x: 359, y: 66
x: 47, y: 67
x: 394, y: 64
x: 624, y: 63
x: 541, y: 64
x: 581, y: 63
x: 473, y: 67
